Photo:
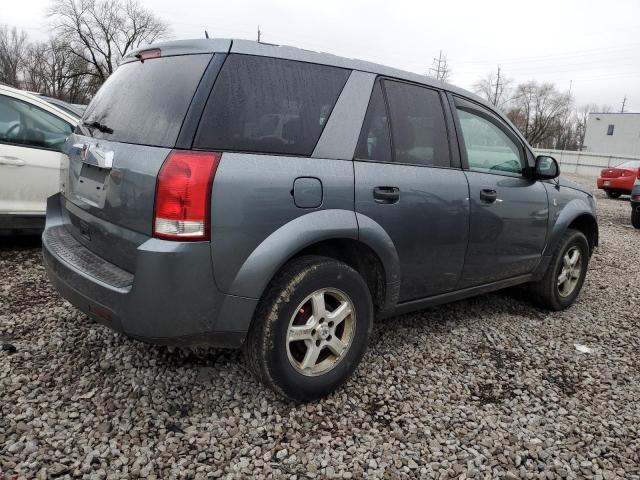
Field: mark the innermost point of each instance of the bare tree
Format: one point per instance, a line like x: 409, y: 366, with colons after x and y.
x: 50, y: 69
x: 495, y: 88
x: 33, y: 74
x: 539, y: 111
x: 100, y: 32
x: 13, y: 46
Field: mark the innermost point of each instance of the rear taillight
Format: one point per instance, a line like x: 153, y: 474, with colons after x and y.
x: 183, y: 195
x: 638, y: 174
x: 635, y: 198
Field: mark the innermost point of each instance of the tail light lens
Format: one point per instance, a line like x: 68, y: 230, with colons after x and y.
x: 638, y: 174
x: 183, y: 195
x: 147, y: 54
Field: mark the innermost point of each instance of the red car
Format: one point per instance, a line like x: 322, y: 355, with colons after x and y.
x: 618, y: 180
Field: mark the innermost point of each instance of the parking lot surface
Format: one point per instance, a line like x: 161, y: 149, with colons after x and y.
x: 485, y: 388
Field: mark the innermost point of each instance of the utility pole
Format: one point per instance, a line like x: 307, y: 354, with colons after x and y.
x: 498, y: 89
x: 440, y: 70
x: 624, y: 101
x: 258, y: 33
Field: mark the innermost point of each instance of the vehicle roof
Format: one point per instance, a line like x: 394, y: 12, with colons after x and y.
x: 37, y: 100
x: 75, y: 109
x: 249, y: 47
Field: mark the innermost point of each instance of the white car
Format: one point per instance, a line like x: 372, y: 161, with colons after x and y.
x: 32, y: 134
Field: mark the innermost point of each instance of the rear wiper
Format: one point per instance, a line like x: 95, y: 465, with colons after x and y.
x: 99, y: 126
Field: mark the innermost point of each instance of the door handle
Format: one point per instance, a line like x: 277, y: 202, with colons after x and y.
x: 488, y: 195
x: 386, y: 194
x: 15, y: 161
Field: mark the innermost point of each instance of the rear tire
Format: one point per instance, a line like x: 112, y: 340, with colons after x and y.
x: 565, y: 275
x: 303, y: 342
x: 613, y: 194
x: 635, y: 217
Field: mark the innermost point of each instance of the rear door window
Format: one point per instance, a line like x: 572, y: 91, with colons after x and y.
x: 145, y: 102
x: 269, y: 105
x: 418, y: 127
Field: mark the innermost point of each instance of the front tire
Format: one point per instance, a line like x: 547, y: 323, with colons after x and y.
x: 565, y: 275
x: 635, y: 216
x: 311, y: 328
x: 613, y: 194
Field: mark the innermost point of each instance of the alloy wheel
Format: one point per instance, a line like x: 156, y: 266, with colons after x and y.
x: 570, y: 273
x: 320, y: 331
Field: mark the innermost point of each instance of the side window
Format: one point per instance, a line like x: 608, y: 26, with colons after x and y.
x: 418, y: 126
x: 25, y: 124
x: 610, y: 129
x: 375, y: 142
x: 9, y: 119
x: 489, y: 148
x: 271, y: 105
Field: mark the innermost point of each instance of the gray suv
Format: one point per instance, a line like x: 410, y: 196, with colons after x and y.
x: 238, y: 194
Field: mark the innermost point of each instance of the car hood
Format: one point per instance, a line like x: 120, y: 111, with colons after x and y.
x: 576, y: 186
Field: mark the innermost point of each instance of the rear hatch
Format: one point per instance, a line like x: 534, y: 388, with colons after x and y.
x: 115, y: 155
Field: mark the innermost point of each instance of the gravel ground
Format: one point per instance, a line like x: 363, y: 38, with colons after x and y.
x: 484, y: 388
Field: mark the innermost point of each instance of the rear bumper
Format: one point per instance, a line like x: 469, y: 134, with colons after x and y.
x: 170, y: 299
x: 623, y: 184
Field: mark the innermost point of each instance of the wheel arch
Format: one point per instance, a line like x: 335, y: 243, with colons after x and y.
x: 576, y: 215
x: 361, y: 244
x: 587, y: 224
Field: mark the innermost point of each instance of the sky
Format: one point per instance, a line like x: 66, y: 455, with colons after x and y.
x: 592, y: 47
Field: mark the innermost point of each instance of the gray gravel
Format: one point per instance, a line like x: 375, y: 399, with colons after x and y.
x: 484, y: 388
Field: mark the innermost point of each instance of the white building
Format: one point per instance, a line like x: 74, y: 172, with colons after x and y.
x: 613, y: 134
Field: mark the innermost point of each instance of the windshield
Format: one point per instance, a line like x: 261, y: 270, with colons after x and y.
x: 146, y: 102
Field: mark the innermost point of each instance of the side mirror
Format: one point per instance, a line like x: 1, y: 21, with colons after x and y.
x: 546, y: 168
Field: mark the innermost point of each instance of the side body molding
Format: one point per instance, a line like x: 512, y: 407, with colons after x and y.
x: 277, y: 248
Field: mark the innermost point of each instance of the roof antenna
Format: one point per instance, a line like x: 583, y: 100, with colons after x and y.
x: 206, y: 34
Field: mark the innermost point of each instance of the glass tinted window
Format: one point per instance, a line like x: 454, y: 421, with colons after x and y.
x: 374, y: 142
x: 262, y: 104
x: 145, y: 102
x: 25, y: 124
x: 417, y: 125
x: 489, y: 148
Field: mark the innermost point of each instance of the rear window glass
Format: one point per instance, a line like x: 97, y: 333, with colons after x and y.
x: 630, y: 164
x: 145, y: 102
x: 270, y: 105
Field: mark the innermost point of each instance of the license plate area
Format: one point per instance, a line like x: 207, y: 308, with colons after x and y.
x: 607, y: 183
x: 92, y: 185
